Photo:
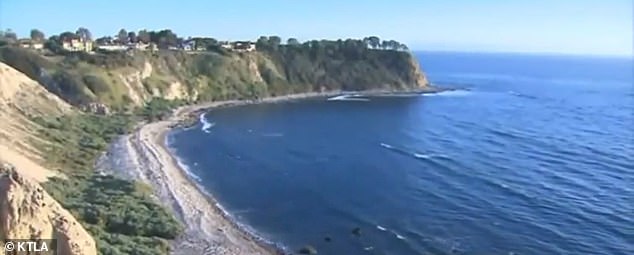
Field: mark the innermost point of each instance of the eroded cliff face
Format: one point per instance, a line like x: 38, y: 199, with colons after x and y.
x: 22, y: 99
x: 420, y: 79
x: 28, y: 212
x: 125, y: 80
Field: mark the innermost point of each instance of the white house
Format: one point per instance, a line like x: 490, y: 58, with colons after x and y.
x: 30, y: 44
x: 113, y: 47
x: 239, y: 46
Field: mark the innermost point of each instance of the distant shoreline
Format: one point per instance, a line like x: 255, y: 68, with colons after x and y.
x: 207, y: 226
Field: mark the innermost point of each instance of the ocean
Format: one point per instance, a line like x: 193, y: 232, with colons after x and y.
x: 534, y: 155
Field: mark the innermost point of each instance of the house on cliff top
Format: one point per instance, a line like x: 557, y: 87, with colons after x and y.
x: 30, y: 44
x: 239, y: 46
x: 77, y: 44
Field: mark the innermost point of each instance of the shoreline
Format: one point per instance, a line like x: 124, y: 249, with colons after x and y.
x: 208, y: 228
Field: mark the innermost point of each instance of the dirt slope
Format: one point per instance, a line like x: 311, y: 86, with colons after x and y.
x: 21, y: 99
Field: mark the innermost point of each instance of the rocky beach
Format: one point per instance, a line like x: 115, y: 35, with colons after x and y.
x: 144, y: 155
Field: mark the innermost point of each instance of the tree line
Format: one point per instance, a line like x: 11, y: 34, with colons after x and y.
x: 372, y: 42
x: 167, y: 38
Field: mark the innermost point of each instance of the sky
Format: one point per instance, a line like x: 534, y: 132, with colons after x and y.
x: 587, y: 27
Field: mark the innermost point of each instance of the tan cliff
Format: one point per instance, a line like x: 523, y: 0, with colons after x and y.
x: 421, y: 80
x: 21, y: 99
x: 123, y: 81
x: 28, y: 212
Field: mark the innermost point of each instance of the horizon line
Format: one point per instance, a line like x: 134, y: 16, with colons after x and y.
x: 533, y: 53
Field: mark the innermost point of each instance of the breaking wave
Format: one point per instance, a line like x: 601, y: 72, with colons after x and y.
x: 354, y: 97
x: 206, y: 124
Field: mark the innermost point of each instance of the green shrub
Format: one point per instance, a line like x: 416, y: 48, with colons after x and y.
x: 121, y: 215
x: 158, y: 108
x: 96, y: 84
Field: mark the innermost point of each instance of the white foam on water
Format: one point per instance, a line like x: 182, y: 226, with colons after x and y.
x: 187, y: 170
x: 335, y: 98
x: 420, y: 155
x: 380, y: 228
x: 387, y: 145
x: 451, y: 93
x: 399, y: 236
x: 355, y: 97
x: 206, y: 124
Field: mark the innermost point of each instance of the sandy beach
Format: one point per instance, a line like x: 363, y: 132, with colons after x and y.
x: 143, y: 155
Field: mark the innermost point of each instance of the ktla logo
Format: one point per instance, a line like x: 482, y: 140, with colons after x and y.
x: 28, y: 246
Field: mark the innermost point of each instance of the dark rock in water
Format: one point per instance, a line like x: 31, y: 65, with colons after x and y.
x: 356, y: 231
x: 327, y: 239
x: 308, y: 250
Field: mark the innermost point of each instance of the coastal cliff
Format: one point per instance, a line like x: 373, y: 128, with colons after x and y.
x: 29, y: 212
x: 124, y: 80
x: 54, y: 131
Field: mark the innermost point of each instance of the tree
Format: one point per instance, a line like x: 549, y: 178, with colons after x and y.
x: 262, y: 43
x: 292, y: 42
x: 374, y: 42
x: 54, y: 38
x: 132, y: 37
x: 9, y: 35
x: 143, y: 36
x: 53, y: 43
x: 366, y: 41
x: 205, y: 42
x: 385, y: 45
x: 167, y: 38
x: 84, y: 34
x: 104, y: 40
x: 394, y: 45
x: 122, y: 36
x: 275, y: 41
x: 37, y: 35
x: 65, y: 36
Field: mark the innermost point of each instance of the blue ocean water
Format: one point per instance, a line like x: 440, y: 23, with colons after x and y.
x: 536, y: 156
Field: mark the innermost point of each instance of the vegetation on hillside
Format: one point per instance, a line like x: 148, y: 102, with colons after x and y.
x: 121, y: 215
x: 273, y: 70
x: 158, y: 109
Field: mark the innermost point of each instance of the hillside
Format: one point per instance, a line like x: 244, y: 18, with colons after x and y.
x: 124, y: 80
x: 53, y: 127
x: 21, y: 99
x: 46, y: 141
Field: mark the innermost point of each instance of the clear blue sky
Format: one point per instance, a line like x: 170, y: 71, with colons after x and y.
x: 599, y: 27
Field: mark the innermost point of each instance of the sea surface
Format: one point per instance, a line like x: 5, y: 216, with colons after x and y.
x: 535, y: 155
